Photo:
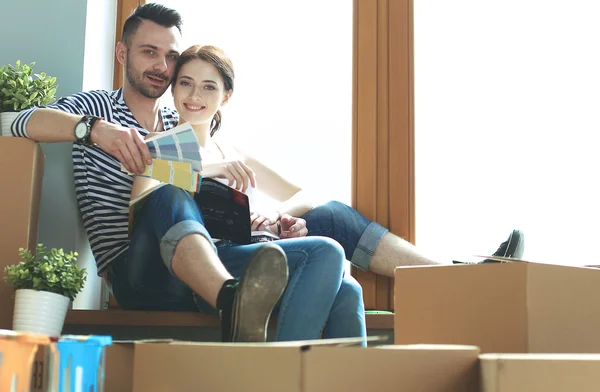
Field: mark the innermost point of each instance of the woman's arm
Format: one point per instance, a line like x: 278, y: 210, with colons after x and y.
x: 293, y: 200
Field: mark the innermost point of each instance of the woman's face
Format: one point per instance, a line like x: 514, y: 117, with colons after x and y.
x: 199, y: 92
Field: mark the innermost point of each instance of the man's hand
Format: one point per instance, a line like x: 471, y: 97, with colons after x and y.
x: 292, y: 227
x: 125, y: 144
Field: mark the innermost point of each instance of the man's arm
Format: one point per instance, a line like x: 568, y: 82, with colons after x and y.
x: 57, y: 124
x: 47, y: 125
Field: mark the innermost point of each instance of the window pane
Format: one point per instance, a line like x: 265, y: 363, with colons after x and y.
x: 507, y: 126
x: 292, y: 103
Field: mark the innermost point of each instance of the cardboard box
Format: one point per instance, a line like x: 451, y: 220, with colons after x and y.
x: 291, y: 367
x: 500, y: 307
x: 185, y: 366
x: 540, y: 372
x: 118, y: 368
x: 21, y: 172
x: 44, y: 369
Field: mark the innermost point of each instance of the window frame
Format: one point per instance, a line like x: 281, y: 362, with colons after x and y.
x: 383, y: 187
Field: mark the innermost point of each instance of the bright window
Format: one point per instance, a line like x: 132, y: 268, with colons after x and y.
x: 507, y: 98
x: 292, y: 102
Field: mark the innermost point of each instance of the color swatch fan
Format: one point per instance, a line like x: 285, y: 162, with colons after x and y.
x: 179, y: 144
x: 176, y: 158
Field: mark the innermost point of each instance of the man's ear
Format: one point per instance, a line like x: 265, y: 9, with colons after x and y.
x: 121, y: 52
x: 226, y: 98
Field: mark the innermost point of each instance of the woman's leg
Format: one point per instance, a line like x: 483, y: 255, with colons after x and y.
x: 316, y: 268
x: 347, y: 316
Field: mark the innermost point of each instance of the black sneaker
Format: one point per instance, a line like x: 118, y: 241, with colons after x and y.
x: 512, y: 248
x: 245, y: 306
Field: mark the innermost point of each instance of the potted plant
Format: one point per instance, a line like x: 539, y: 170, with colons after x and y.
x: 21, y: 89
x: 45, y: 285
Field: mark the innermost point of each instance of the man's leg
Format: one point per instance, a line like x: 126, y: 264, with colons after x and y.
x: 171, y: 226
x: 367, y: 245
x: 312, y: 297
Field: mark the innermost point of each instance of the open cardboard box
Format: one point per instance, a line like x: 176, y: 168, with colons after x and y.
x: 540, y: 372
x: 308, y: 366
x: 516, y: 307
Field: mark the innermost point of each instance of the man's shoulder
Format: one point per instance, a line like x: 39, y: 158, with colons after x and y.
x: 93, y: 95
x: 169, y: 112
x: 170, y: 116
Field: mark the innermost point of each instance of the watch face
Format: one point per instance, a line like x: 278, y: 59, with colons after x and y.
x: 80, y: 130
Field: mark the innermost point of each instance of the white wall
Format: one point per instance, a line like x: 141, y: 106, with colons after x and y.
x: 97, y: 74
x: 98, y: 65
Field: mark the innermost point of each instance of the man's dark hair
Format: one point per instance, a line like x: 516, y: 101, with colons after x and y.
x: 156, y: 13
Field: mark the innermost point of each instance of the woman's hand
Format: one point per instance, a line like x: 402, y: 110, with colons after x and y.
x: 259, y: 221
x: 237, y: 172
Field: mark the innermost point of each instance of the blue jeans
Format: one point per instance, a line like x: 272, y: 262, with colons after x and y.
x: 319, y: 298
x: 358, y: 236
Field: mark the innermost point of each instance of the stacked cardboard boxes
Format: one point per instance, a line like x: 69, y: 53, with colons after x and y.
x: 535, y: 324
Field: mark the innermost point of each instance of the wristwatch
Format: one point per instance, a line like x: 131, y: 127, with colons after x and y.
x: 83, y: 129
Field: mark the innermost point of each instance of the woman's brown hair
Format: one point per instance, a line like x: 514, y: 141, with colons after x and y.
x: 217, y: 58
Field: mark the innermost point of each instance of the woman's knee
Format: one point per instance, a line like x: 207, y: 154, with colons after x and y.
x: 351, y: 292
x: 330, y: 249
x: 325, y: 252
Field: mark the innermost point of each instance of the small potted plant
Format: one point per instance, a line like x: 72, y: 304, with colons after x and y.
x: 45, y: 283
x: 21, y: 89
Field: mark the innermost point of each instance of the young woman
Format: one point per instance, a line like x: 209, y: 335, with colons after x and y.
x: 204, y: 82
x: 319, y: 294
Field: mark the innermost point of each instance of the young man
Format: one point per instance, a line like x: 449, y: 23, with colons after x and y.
x: 170, y: 262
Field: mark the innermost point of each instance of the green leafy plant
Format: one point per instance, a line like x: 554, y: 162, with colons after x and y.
x: 53, y: 271
x: 21, y: 89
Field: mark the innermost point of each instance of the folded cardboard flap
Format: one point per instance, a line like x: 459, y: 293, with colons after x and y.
x: 540, y: 372
x: 21, y: 173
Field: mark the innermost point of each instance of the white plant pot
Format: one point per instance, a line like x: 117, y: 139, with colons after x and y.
x: 6, y: 120
x: 40, y: 312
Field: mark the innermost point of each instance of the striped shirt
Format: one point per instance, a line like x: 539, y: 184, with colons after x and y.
x: 102, y: 189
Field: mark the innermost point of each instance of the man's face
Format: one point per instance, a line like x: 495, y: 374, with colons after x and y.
x: 152, y: 53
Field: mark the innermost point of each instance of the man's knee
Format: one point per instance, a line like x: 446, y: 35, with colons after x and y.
x: 332, y: 207
x: 327, y: 212
x: 170, y: 194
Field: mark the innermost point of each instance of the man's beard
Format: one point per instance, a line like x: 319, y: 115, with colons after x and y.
x: 137, y: 82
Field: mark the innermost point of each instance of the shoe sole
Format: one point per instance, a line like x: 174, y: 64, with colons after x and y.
x: 260, y: 288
